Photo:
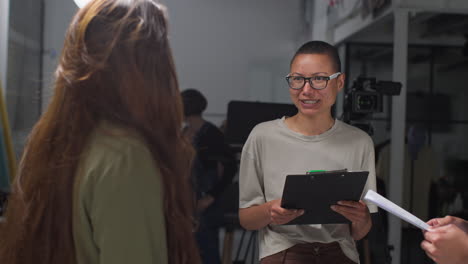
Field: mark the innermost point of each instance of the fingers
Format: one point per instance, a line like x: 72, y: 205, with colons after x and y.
x: 433, y: 222
x: 436, y: 232
x: 280, y: 215
x: 431, y: 236
x: 427, y: 246
x: 347, y: 210
x: 353, y: 211
x: 351, y: 215
x: 282, y: 211
x: 278, y: 219
x: 429, y: 249
x: 442, y: 221
x: 352, y: 204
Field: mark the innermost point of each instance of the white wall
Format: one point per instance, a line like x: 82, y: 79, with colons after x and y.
x: 23, y: 75
x: 57, y: 17
x: 226, y: 49
x: 4, y: 16
x: 450, y: 5
x: 320, y: 21
x: 335, y: 23
x: 234, y: 49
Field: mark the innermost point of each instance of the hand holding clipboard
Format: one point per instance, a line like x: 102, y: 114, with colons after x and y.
x: 280, y: 215
x: 316, y: 191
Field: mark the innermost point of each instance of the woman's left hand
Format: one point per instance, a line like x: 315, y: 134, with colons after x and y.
x: 358, y: 214
x: 204, y: 203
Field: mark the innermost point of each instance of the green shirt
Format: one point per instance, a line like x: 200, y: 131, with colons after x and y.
x: 118, y: 214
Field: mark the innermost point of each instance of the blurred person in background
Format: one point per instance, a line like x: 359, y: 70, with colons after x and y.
x: 213, y: 170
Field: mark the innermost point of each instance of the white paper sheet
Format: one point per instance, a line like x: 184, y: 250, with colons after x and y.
x: 394, y: 209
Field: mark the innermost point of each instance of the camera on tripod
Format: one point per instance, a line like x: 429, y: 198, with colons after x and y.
x: 364, y: 98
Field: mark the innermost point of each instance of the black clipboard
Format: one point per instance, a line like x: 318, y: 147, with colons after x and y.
x: 316, y: 192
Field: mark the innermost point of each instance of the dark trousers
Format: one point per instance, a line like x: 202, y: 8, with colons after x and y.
x: 208, y: 243
x: 310, y: 253
x: 207, y: 235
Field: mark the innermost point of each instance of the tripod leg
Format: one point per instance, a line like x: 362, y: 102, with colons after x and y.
x: 240, y: 244
x: 227, y: 247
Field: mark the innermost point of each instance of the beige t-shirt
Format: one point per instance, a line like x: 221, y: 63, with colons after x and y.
x: 273, y: 151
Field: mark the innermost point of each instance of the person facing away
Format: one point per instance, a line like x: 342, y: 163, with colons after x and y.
x: 213, y: 170
x: 104, y: 177
x: 311, y: 139
x: 447, y: 240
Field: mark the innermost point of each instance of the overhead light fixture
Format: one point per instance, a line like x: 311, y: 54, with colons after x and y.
x: 81, y: 3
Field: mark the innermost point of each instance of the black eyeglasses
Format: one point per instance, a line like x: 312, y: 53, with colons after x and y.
x: 316, y: 82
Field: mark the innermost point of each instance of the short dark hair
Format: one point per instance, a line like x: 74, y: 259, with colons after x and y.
x: 320, y: 47
x: 194, y: 102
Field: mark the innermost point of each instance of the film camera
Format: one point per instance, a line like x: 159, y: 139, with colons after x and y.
x: 364, y: 98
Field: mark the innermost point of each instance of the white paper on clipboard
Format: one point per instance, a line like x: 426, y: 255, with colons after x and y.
x: 394, y: 209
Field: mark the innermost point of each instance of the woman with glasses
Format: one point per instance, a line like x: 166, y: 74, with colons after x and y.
x: 104, y: 177
x: 310, y: 140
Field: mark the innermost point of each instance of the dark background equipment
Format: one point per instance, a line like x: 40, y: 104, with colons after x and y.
x: 243, y: 116
x: 364, y: 98
x: 431, y: 109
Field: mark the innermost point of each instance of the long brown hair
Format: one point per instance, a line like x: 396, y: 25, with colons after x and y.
x: 116, y: 65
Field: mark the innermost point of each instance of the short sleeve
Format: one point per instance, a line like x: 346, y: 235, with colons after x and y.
x: 126, y: 211
x: 251, y: 188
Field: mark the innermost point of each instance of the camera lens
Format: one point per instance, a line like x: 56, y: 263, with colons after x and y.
x: 366, y: 102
